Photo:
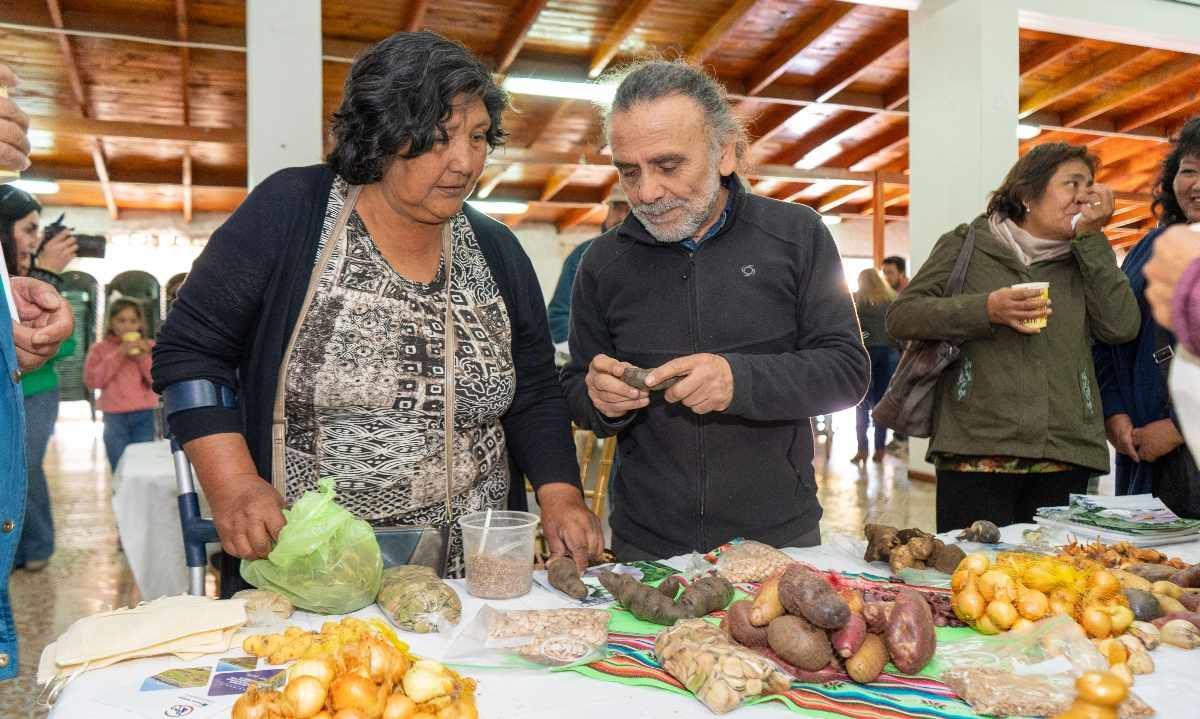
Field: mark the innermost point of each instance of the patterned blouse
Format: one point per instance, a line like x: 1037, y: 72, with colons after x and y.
x: 365, y: 384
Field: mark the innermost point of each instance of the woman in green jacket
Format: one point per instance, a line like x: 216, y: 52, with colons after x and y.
x: 1018, y: 422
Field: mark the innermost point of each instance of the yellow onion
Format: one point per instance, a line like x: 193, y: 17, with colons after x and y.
x: 1032, y: 604
x: 1002, y: 614
x: 353, y: 691
x: 321, y: 669
x: 969, y: 604
x: 995, y: 585
x: 307, y: 695
x: 259, y: 704
x: 1096, y: 623
x: 975, y: 563
x: 399, y: 707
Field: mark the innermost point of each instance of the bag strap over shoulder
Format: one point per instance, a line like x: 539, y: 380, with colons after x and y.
x: 958, y: 275
x: 450, y: 350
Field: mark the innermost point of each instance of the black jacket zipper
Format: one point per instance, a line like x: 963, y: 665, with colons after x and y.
x: 694, y: 334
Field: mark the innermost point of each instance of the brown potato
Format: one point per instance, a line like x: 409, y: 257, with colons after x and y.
x: 868, y: 662
x: 805, y: 593
x: 800, y: 643
x: 910, y: 637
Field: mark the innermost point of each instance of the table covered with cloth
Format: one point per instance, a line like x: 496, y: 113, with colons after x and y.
x: 629, y: 683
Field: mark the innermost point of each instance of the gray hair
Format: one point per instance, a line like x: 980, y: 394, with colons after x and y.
x: 654, y: 79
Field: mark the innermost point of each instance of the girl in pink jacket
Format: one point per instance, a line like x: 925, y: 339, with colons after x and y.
x: 119, y: 366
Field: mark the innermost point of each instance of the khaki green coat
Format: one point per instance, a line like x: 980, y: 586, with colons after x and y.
x: 1011, y: 394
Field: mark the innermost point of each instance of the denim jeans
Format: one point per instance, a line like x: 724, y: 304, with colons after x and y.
x: 122, y: 429
x: 883, y: 365
x: 37, y: 536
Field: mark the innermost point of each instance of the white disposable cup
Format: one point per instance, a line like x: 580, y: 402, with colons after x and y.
x: 1039, y: 322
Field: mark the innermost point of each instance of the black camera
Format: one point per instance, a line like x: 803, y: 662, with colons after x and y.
x: 88, y: 245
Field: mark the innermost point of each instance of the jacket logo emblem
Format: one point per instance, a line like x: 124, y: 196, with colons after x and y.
x: 748, y: 270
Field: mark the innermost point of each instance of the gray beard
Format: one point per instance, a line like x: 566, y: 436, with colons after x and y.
x: 693, y: 220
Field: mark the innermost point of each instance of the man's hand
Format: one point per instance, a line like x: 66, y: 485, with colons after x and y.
x: 58, y: 252
x: 14, y: 128
x: 248, y: 514
x: 1157, y: 439
x: 1174, y: 250
x: 1008, y: 307
x: 569, y: 526
x: 1096, y: 211
x: 706, y: 383
x: 43, y: 321
x: 610, y: 395
x: 1119, y: 429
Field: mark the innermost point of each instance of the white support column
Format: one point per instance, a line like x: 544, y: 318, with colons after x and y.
x: 963, y: 82
x: 283, y: 85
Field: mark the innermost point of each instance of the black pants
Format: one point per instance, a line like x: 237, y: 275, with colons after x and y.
x: 963, y: 497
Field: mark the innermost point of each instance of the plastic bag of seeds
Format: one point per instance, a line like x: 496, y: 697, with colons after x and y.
x: 721, y: 673
x: 413, y: 598
x: 531, y: 639
x: 743, y: 561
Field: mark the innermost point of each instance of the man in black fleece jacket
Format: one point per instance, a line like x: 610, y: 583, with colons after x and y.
x: 740, y: 298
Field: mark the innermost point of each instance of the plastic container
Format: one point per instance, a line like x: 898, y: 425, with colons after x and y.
x: 1039, y: 322
x: 498, y: 550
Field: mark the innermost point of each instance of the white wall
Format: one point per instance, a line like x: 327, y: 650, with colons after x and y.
x: 547, y: 248
x: 855, y: 238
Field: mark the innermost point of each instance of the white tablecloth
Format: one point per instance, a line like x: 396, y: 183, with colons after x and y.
x: 1173, y: 689
x: 145, y: 502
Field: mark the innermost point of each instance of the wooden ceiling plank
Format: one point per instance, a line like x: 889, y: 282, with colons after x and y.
x: 890, y: 138
x: 887, y: 142
x: 1081, y: 77
x: 857, y: 66
x: 1159, y: 110
x: 777, y: 64
x: 185, y: 71
x: 1142, y: 85
x: 485, y: 190
x: 187, y: 184
x: 841, y: 196
x: 573, y: 217
x: 1048, y: 54
x: 896, y: 97
x: 718, y: 31
x: 76, y: 81
x: 630, y: 17
x: 415, y: 18
x: 518, y: 31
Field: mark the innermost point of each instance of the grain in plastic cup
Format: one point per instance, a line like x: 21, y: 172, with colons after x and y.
x: 499, y: 553
x: 1039, y: 322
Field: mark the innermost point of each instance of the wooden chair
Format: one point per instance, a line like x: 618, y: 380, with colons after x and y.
x: 596, y: 458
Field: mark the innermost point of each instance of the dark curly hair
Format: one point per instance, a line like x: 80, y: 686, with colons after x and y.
x: 399, y: 95
x: 1028, y: 179
x: 1187, y: 144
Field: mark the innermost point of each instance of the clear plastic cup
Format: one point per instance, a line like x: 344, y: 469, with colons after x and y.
x: 499, y: 553
x: 1039, y: 322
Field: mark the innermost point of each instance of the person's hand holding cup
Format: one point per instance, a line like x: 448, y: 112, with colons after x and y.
x: 132, y: 344
x: 1023, y: 307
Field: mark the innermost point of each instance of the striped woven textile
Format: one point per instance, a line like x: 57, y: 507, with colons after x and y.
x: 630, y: 660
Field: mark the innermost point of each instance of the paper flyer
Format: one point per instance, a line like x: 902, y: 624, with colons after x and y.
x: 239, y: 682
x: 189, y: 678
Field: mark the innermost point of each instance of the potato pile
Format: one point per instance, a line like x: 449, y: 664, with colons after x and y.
x: 910, y: 549
x: 1022, y: 588
x: 366, y: 679
x: 802, y: 620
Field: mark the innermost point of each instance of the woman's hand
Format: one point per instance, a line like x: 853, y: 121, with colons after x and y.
x: 248, y: 514
x: 569, y: 526
x: 1096, y: 211
x: 1008, y: 307
x: 1174, y: 250
x: 1157, y: 439
x: 58, y: 252
x: 1119, y: 429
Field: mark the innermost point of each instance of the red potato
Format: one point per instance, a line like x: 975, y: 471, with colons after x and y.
x: 847, y: 640
x: 820, y: 676
x: 910, y: 636
x: 877, y: 615
x: 804, y: 593
x: 1192, y: 618
x: 1189, y: 577
x: 737, y: 624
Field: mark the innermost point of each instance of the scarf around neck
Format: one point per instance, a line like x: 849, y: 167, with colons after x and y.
x: 1026, y: 247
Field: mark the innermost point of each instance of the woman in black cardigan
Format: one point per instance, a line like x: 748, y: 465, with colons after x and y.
x: 322, y: 302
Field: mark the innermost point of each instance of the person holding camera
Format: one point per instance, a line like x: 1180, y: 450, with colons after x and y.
x: 19, y: 221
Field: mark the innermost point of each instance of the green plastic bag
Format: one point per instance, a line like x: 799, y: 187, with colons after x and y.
x: 325, y: 561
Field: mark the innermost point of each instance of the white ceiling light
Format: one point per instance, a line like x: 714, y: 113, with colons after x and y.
x: 597, y: 92
x: 36, y: 187
x: 831, y: 219
x: 1027, y: 131
x: 499, y: 207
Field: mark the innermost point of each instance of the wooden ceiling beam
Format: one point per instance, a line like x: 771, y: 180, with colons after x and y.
x: 888, y: 139
x: 1082, y: 76
x: 1048, y: 54
x: 630, y: 17
x: 574, y: 217
x: 896, y: 97
x: 76, y: 82
x: 841, y: 196
x: 187, y: 184
x: 718, y: 31
x: 1159, y: 110
x: 777, y: 64
x: 1142, y: 85
x: 136, y: 176
x: 858, y: 65
x: 517, y: 31
x: 891, y: 141
x: 559, y: 178
x: 486, y: 188
x: 834, y: 128
x: 137, y: 130
x: 185, y: 72
x: 414, y: 19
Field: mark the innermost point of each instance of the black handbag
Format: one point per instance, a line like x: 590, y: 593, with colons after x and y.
x: 908, y: 404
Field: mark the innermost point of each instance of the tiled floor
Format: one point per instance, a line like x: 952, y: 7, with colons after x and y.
x: 88, y: 573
